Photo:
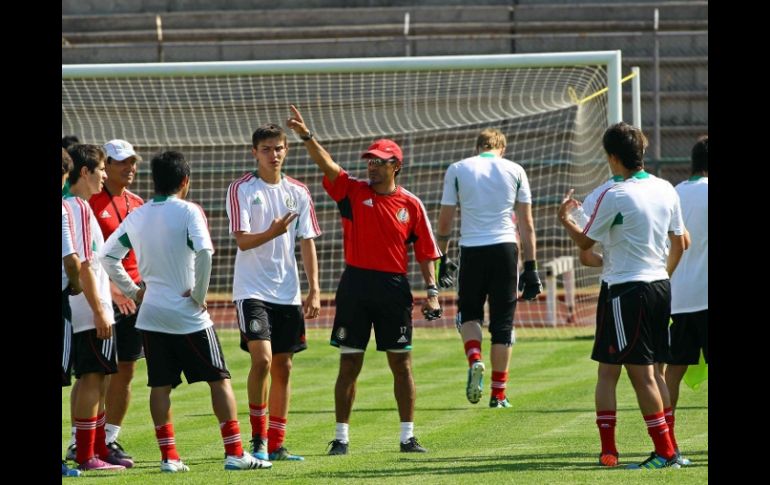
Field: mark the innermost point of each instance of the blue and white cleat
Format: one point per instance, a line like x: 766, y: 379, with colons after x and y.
x: 655, y: 461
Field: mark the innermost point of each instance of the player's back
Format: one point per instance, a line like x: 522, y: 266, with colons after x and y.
x: 648, y: 208
x: 487, y: 189
x: 158, y: 232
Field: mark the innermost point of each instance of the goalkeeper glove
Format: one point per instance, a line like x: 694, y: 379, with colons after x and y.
x: 445, y: 272
x: 432, y: 314
x: 529, y: 281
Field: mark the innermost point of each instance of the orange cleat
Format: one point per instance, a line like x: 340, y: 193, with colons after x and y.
x: 608, y: 459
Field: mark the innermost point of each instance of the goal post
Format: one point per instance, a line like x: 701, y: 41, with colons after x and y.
x: 432, y: 106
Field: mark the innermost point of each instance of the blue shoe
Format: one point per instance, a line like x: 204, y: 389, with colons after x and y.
x: 259, y: 448
x: 282, y: 454
x: 69, y: 472
x: 475, y: 382
x: 655, y: 461
x: 501, y: 403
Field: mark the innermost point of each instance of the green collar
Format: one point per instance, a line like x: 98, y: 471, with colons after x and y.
x: 617, y: 178
x: 487, y: 155
x: 695, y: 177
x: 162, y: 198
x: 641, y: 174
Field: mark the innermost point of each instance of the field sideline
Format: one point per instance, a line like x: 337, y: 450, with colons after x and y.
x: 549, y: 436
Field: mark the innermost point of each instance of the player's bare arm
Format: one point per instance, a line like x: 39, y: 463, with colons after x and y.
x: 311, y: 307
x: 251, y: 240
x: 675, y: 252
x: 72, y: 268
x: 446, y: 217
x: 431, y: 306
x: 88, y: 282
x: 318, y: 153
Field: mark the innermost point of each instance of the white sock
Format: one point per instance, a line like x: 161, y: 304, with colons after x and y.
x: 72, y: 436
x: 111, y: 433
x: 407, y: 431
x: 341, y: 432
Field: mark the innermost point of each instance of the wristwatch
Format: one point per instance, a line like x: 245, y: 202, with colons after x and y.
x: 432, y: 291
x: 307, y: 137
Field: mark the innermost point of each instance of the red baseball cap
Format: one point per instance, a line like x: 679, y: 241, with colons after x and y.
x: 384, y: 148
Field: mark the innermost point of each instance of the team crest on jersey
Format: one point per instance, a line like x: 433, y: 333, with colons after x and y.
x: 291, y: 204
x: 402, y: 215
x: 341, y: 333
x: 256, y: 201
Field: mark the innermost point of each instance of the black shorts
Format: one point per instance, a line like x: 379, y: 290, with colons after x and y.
x: 198, y: 355
x: 489, y: 272
x: 689, y: 334
x: 634, y: 324
x: 127, y: 338
x: 66, y: 338
x: 91, y: 354
x: 368, y: 297
x: 282, y: 325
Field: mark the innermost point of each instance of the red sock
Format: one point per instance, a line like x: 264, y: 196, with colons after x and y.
x: 85, y: 435
x: 605, y: 421
x: 276, y: 433
x: 498, y: 384
x: 473, y: 351
x: 669, y: 412
x: 231, y: 436
x: 100, y: 446
x: 258, y: 420
x: 658, y: 431
x: 165, y: 436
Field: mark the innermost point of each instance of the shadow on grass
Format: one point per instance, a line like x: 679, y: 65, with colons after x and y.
x: 474, y: 465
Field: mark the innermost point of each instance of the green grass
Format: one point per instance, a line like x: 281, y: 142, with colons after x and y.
x: 549, y: 436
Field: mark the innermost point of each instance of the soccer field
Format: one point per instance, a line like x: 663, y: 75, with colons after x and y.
x: 548, y: 436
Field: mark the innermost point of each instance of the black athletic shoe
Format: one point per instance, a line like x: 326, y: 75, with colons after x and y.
x: 117, y: 451
x: 339, y: 448
x: 412, y: 446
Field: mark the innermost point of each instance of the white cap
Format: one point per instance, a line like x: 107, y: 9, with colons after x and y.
x: 119, y: 150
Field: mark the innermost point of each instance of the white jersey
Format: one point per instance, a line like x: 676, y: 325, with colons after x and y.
x: 486, y: 187
x: 88, y: 242
x: 587, y: 208
x: 690, y: 281
x: 633, y: 219
x: 165, y: 234
x: 269, y: 272
x: 67, y: 241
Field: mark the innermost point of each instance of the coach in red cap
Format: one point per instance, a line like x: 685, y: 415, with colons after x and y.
x: 379, y: 221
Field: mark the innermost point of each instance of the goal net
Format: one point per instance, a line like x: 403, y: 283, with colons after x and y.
x: 433, y: 107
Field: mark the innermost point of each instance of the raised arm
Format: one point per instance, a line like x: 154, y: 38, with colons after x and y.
x: 318, y: 153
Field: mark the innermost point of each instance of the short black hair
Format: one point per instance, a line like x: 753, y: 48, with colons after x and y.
x: 700, y: 155
x: 266, y: 132
x: 169, y: 169
x: 626, y: 142
x: 68, y: 140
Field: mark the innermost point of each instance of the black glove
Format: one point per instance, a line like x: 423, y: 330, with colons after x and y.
x: 529, y: 281
x: 432, y: 314
x: 445, y: 272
